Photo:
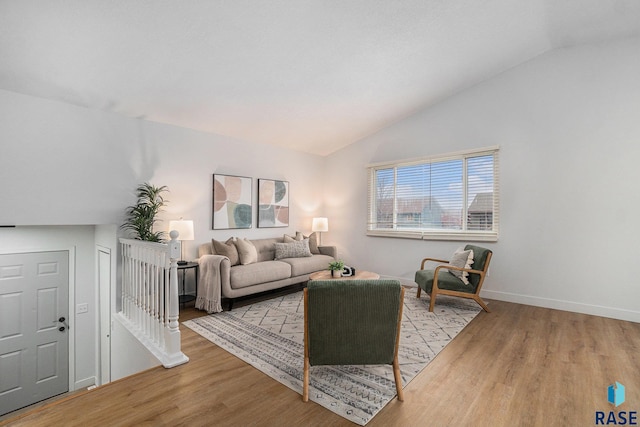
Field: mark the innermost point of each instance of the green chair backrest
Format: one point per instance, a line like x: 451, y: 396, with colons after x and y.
x: 479, y: 261
x: 352, y: 322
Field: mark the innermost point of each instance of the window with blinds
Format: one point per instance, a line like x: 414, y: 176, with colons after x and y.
x: 449, y: 197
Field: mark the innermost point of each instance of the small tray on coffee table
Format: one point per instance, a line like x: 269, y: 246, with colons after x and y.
x: 360, y: 275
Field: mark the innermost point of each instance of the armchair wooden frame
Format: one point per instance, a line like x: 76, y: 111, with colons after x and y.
x: 396, y: 366
x: 446, y: 266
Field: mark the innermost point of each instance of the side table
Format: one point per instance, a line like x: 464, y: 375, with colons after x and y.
x: 184, y: 297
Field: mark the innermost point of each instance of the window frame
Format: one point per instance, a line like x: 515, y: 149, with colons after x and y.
x: 435, y: 234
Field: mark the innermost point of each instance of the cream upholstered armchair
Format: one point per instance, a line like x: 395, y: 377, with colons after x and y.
x: 352, y: 322
x: 440, y: 281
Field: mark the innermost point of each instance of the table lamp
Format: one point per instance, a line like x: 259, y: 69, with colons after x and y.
x: 185, y: 232
x: 319, y: 225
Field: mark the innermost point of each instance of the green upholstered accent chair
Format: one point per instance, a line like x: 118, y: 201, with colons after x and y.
x: 352, y: 322
x: 440, y: 281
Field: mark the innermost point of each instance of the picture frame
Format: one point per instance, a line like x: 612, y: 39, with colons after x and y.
x: 273, y: 203
x: 232, y: 205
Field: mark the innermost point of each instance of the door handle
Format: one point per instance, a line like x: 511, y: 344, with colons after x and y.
x: 64, y: 322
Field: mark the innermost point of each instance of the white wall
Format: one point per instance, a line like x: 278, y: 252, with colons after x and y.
x: 186, y: 161
x: 67, y: 165
x: 62, y: 165
x: 567, y: 124
x: 132, y: 356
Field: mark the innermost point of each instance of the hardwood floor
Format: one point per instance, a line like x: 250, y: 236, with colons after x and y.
x: 516, y: 366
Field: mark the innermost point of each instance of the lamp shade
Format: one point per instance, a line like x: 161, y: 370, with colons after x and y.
x: 184, y: 227
x: 320, y: 224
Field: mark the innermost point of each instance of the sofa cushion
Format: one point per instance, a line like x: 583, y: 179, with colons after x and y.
x: 446, y: 280
x: 246, y: 251
x: 296, y: 249
x: 227, y: 249
x: 308, y: 265
x: 259, y: 272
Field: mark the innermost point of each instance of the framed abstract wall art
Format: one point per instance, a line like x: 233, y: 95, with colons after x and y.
x: 232, y: 202
x: 273, y: 203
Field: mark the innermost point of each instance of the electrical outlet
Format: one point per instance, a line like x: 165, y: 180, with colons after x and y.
x: 82, y: 308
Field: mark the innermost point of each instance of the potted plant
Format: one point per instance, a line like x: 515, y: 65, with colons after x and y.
x: 141, y: 217
x: 336, y: 268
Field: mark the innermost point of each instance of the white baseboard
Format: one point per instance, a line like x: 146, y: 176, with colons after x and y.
x: 403, y: 280
x: 575, y: 307
x: 595, y: 310
x: 87, y: 382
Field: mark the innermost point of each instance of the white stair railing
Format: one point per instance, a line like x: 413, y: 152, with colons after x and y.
x: 150, y: 297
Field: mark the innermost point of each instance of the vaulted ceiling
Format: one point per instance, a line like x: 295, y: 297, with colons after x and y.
x: 311, y: 75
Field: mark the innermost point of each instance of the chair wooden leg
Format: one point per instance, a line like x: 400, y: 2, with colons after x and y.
x: 398, y: 378
x: 432, y: 301
x: 419, y: 291
x: 305, y: 381
x: 482, y: 303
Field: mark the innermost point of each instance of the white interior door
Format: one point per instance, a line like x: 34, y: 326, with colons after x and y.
x: 104, y: 284
x: 34, y: 336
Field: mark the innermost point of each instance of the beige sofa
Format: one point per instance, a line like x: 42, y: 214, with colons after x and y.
x: 219, y: 278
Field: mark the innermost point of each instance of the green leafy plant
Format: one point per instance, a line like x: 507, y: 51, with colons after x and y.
x: 141, y: 217
x: 336, y: 265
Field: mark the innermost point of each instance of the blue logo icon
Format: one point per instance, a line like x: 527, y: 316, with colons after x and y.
x: 615, y: 394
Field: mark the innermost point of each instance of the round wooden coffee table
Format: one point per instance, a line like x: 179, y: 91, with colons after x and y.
x: 360, y: 275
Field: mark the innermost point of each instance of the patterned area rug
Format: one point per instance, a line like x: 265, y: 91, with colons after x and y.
x: 269, y: 336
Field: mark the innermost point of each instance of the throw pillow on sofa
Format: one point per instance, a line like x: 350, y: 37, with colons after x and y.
x: 313, y: 241
x: 227, y: 249
x: 246, y: 251
x: 296, y: 249
x: 290, y: 239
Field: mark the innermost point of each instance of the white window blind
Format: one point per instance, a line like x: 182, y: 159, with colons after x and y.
x: 452, y: 197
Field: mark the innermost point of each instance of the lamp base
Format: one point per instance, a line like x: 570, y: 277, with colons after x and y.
x: 181, y: 262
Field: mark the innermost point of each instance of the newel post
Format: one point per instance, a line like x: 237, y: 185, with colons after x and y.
x: 172, y: 331
x: 174, y: 255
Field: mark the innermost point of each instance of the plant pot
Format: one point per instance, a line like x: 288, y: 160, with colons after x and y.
x: 336, y: 273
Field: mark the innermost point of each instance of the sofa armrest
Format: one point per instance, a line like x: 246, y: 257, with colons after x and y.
x: 332, y: 251
x: 205, y: 249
